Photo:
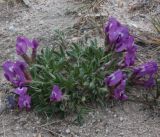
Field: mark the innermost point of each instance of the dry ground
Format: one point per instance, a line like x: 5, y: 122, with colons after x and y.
x: 38, y: 19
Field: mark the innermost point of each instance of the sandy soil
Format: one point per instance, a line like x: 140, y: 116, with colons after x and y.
x: 39, y: 20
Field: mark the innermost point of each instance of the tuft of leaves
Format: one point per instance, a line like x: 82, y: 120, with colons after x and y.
x: 78, y: 70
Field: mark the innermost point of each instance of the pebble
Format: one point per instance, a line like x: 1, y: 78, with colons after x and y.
x: 12, y: 28
x: 84, y: 125
x: 97, y: 130
x: 68, y: 130
x: 121, y: 119
x: 87, y: 134
x: 121, y: 134
x: 79, y: 14
x: 115, y: 115
x: 41, y: 22
x: 38, y: 122
x: 104, y: 117
x: 93, y: 121
x: 17, y: 127
x: 80, y: 131
x: 97, y: 112
x: 107, y: 131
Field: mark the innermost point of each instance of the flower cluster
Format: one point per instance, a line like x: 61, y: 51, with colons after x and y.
x: 56, y: 94
x: 119, y: 40
x: 116, y: 83
x: 16, y: 72
x: 22, y: 46
x: 145, y: 74
x: 24, y: 100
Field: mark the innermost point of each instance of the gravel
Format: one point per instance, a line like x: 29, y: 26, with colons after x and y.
x: 127, y: 119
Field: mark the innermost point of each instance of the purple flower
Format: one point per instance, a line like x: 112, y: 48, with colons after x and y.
x: 14, y: 72
x: 130, y: 56
x: 34, y: 44
x: 8, y: 70
x: 24, y: 100
x: 22, y: 45
x: 56, y: 94
x: 116, y: 82
x: 117, y: 35
x: 114, y: 78
x: 119, y: 91
x: 145, y: 73
x: 21, y: 91
x: 125, y: 44
x: 120, y: 40
x: 149, y: 68
x: 21, y: 64
x: 112, y: 24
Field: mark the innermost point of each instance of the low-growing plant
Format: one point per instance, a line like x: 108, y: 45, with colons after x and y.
x: 73, y: 76
x: 79, y: 73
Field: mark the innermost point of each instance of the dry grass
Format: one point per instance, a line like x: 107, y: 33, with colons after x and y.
x: 156, y: 23
x: 151, y: 38
x: 91, y: 5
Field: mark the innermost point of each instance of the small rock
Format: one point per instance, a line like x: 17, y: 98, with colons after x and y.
x: 93, y: 121
x: 87, y: 134
x: 12, y: 28
x: 90, y: 113
x: 17, y: 127
x: 68, y: 131
x: 107, y: 131
x: 84, y: 125
x: 121, y: 119
x: 38, y: 122
x: 79, y: 14
x: 115, y: 115
x: 97, y: 130
x: 41, y: 22
x: 121, y: 134
x: 80, y: 131
x: 97, y: 112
